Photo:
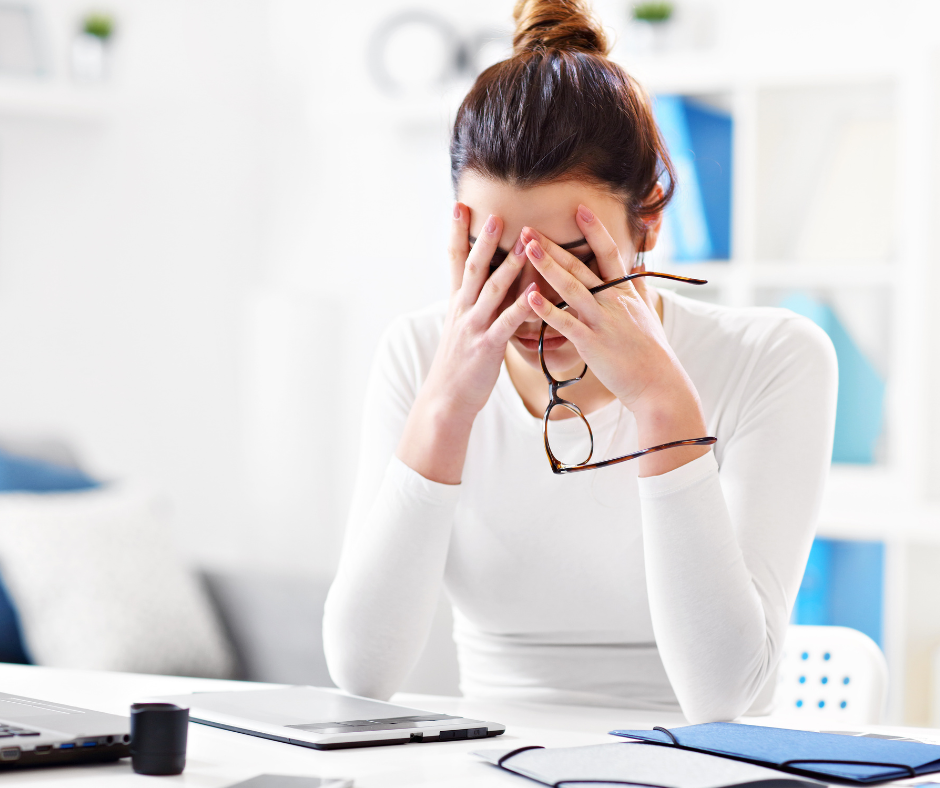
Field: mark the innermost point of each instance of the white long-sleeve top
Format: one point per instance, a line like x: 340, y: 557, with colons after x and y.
x: 594, y: 588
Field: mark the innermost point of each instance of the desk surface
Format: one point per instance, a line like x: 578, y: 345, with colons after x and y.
x: 221, y: 758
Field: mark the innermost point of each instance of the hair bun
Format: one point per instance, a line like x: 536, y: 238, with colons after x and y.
x: 557, y: 24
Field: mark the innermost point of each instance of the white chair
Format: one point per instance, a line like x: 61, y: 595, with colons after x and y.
x: 831, y: 676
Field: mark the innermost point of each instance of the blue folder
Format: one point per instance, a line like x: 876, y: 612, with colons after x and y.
x: 856, y: 759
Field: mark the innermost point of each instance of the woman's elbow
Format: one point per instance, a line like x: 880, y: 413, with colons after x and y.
x: 350, y: 672
x: 350, y: 660
x: 724, y: 709
x: 712, y: 699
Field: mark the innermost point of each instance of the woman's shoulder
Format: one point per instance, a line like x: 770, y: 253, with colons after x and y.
x: 743, y: 354
x: 410, y: 341
x: 707, y: 328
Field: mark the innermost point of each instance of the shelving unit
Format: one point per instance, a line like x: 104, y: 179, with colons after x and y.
x: 771, y: 104
x: 39, y: 98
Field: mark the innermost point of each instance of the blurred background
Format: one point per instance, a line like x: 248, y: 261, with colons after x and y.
x: 210, y: 209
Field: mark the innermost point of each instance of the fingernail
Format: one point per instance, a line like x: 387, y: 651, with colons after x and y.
x: 532, y: 287
x: 457, y: 211
x: 490, y: 226
x: 535, y: 250
x: 535, y: 298
x: 585, y: 214
x: 517, y: 249
x: 528, y: 234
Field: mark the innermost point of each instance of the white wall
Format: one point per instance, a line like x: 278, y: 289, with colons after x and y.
x: 127, y: 244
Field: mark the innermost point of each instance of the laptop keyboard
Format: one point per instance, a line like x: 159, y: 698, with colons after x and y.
x: 11, y: 731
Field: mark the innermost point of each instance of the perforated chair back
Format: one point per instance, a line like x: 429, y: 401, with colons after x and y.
x: 832, y: 676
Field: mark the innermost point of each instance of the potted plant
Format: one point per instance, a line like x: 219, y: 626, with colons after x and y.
x: 650, y: 26
x: 90, y: 47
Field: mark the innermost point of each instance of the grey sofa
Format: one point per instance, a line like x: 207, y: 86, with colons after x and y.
x: 275, y: 625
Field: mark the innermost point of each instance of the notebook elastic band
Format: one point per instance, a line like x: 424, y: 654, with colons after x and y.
x: 509, y: 754
x: 668, y: 733
x: 902, y: 766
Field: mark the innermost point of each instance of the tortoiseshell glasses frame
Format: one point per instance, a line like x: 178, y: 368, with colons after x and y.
x: 554, y: 400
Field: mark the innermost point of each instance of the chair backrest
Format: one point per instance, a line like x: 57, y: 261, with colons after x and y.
x: 831, y: 676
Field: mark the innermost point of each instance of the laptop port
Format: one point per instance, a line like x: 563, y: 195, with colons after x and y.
x: 110, y: 740
x: 42, y: 749
x: 9, y: 753
x: 67, y: 746
x: 416, y: 737
x: 89, y: 744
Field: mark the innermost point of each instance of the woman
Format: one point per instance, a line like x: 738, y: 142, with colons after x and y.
x: 650, y: 584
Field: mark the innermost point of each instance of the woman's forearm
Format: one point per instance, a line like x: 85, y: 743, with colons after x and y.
x: 674, y: 415
x: 434, y: 442
x: 382, y: 603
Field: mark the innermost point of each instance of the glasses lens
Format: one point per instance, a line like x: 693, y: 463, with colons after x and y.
x: 568, y: 436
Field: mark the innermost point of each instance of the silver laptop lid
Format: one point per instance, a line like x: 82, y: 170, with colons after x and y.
x: 300, y: 706
x: 325, y: 718
x: 67, y: 720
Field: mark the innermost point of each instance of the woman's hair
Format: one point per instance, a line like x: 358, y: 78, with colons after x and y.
x: 559, y: 110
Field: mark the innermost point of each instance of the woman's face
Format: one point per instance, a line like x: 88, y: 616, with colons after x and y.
x: 550, y: 209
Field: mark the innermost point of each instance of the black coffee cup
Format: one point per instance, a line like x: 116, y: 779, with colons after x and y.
x: 158, y: 738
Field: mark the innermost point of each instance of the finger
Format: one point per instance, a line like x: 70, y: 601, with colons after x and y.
x: 512, y: 317
x: 458, y: 246
x: 477, y: 265
x: 641, y: 283
x: 561, y: 320
x: 495, y: 288
x: 564, y: 258
x: 565, y: 284
x: 610, y: 262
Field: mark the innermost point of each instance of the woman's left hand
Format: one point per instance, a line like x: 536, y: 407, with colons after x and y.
x: 616, y: 332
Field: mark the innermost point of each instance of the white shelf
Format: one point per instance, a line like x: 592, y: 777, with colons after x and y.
x: 709, y: 72
x: 874, y: 502
x: 25, y: 98
x: 787, y: 274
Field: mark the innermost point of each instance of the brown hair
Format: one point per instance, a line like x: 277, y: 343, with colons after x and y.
x: 558, y: 109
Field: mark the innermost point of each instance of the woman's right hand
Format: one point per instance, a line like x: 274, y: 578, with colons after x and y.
x: 473, y: 342
x: 471, y: 350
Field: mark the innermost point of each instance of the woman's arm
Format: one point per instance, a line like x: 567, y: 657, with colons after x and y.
x: 724, y: 557
x: 619, y: 335
x: 381, y: 604
x: 418, y: 416
x: 725, y: 550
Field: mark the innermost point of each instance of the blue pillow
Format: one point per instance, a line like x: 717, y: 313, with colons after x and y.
x: 23, y: 474
x: 12, y: 646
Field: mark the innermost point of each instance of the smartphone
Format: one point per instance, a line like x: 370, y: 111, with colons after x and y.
x: 289, y: 781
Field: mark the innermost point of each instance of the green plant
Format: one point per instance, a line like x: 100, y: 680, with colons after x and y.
x: 99, y: 25
x: 652, y: 12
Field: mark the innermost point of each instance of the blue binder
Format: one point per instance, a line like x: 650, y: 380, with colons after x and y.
x: 688, y: 223
x: 860, y: 403
x: 711, y: 132
x: 855, y: 759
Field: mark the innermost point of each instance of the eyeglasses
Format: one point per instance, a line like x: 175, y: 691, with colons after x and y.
x: 554, y: 400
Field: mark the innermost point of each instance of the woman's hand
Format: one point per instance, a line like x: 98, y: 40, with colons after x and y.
x: 476, y: 333
x: 619, y: 336
x: 468, y: 358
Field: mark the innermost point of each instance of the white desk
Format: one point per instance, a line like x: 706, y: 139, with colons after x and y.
x: 221, y: 758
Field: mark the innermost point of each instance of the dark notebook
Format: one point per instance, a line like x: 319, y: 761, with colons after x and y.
x: 638, y: 765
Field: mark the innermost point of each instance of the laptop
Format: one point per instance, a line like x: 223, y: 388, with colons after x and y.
x: 326, y: 719
x: 39, y: 733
